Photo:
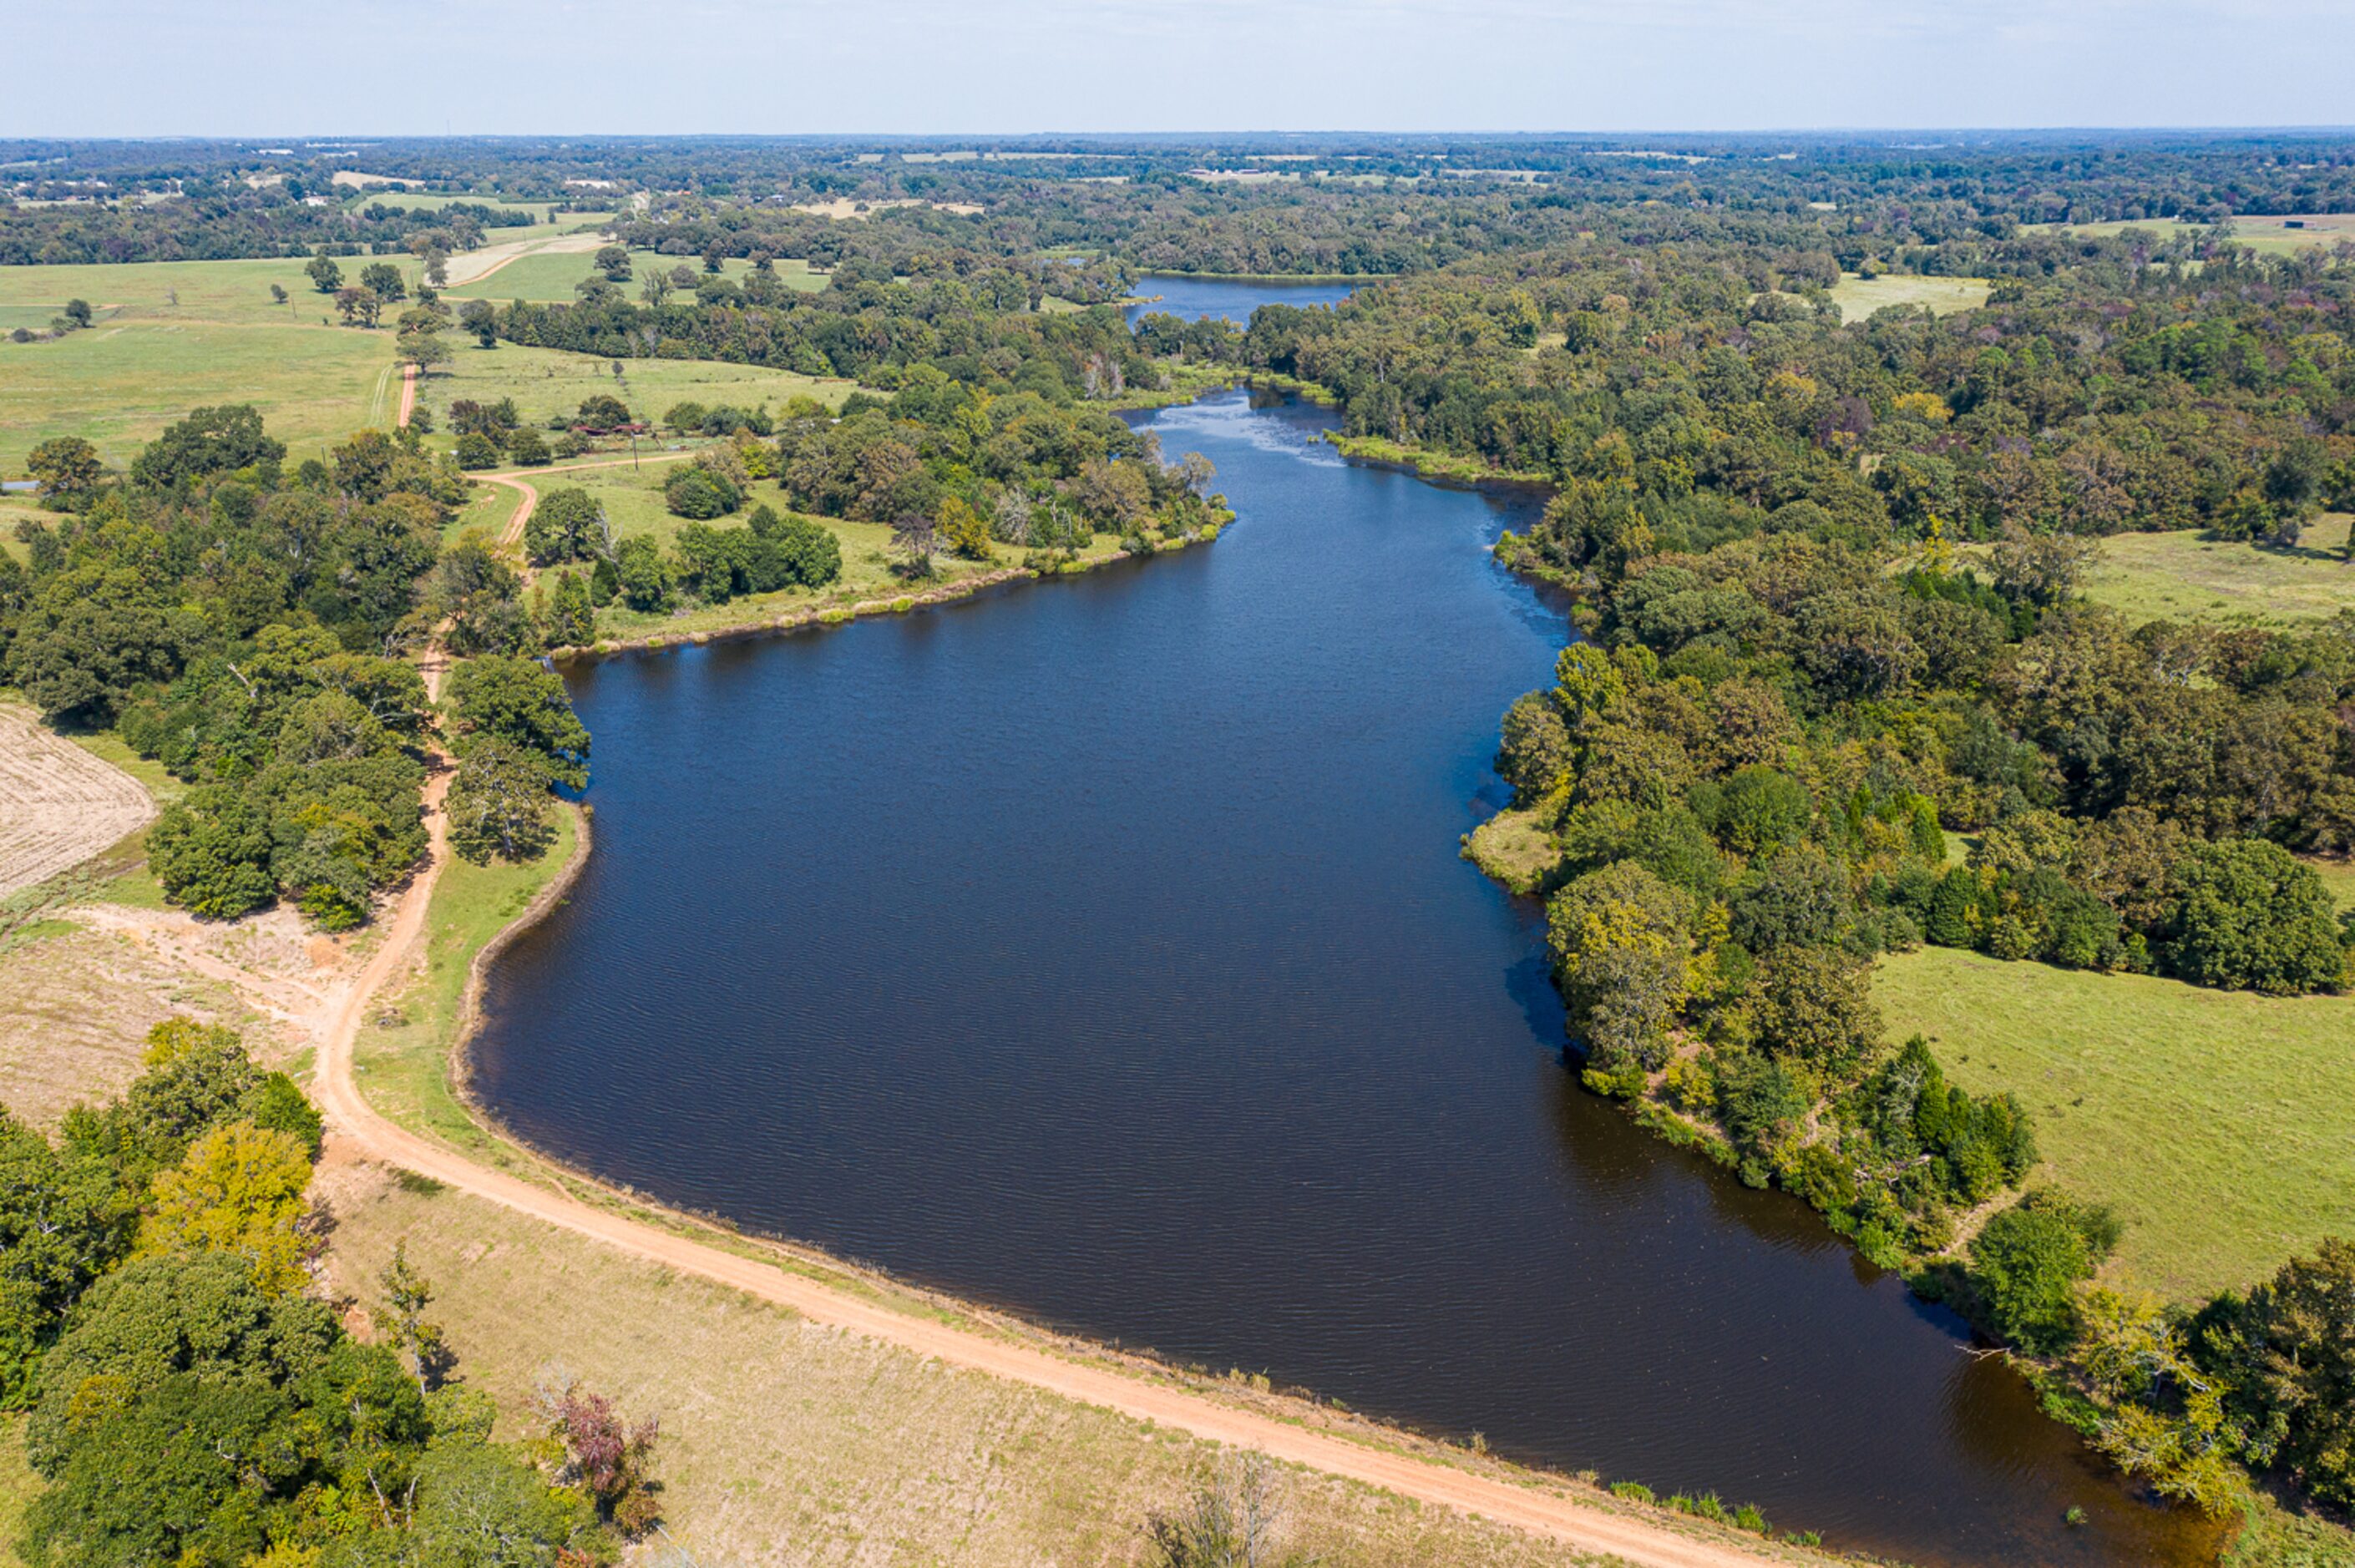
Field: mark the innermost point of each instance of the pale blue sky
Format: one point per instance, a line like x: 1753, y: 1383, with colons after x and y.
x: 150, y: 67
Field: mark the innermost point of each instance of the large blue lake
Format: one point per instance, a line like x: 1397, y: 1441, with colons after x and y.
x: 1101, y: 949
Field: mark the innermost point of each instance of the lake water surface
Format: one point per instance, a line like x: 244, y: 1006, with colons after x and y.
x: 1194, y: 299
x: 1101, y: 949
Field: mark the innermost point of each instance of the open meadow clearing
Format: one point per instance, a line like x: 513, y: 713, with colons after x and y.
x: 549, y: 382
x: 2193, y: 575
x: 2266, y: 232
x: 170, y: 336
x: 173, y: 336
x: 2217, y: 1124
x: 118, y: 386
x: 1859, y: 298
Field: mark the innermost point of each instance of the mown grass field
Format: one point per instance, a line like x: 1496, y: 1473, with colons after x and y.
x: 170, y: 336
x: 550, y: 277
x: 2186, y: 575
x: 1861, y: 298
x: 119, y: 386
x: 546, y: 382
x: 2217, y: 1124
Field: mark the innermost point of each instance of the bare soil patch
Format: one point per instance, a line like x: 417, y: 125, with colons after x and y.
x: 77, y: 998
x: 843, y: 207
x: 59, y: 804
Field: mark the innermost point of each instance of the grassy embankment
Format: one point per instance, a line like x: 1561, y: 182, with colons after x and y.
x: 632, y: 501
x: 1429, y: 464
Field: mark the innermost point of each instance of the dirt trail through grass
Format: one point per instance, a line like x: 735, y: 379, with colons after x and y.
x: 529, y: 494
x: 59, y: 804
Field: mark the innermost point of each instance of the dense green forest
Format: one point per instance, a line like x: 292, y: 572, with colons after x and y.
x: 1797, y: 699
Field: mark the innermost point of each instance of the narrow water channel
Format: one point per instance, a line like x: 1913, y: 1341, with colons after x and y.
x: 1100, y: 949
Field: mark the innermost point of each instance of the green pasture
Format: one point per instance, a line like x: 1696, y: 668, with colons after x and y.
x: 549, y: 277
x: 179, y: 291
x: 118, y: 385
x: 2338, y: 876
x: 1861, y: 298
x: 2217, y: 1124
x: 2191, y: 575
x: 545, y: 221
x: 170, y: 336
x: 547, y: 382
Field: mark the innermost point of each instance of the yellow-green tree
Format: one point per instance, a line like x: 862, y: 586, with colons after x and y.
x: 1623, y: 954
x: 966, y: 531
x: 239, y: 1190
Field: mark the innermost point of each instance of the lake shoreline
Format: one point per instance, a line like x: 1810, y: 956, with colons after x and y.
x: 867, y: 609
x: 1296, y: 1407
x: 771, y: 1226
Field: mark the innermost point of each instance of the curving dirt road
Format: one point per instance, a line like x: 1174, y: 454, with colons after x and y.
x: 408, y: 396
x: 473, y: 265
x: 514, y: 480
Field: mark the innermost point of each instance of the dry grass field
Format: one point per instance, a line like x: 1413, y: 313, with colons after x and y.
x: 785, y: 1443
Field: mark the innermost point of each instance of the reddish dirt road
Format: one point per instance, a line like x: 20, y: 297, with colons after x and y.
x: 529, y: 494
x: 408, y: 396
